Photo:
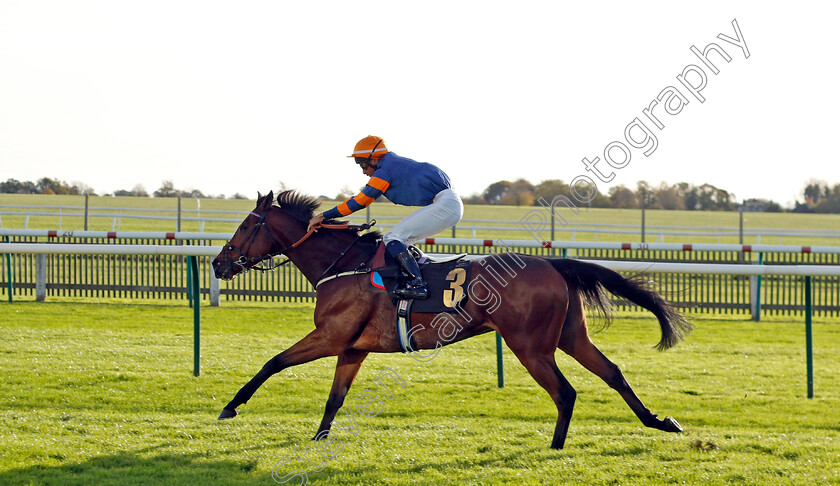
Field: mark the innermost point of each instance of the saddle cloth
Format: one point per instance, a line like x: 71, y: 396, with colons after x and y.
x: 447, y: 279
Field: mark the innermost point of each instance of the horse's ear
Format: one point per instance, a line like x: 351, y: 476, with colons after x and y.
x: 266, y: 201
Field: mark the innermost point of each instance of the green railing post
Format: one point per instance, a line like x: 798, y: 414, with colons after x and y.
x: 809, y: 341
x: 189, y: 283
x: 552, y: 223
x: 643, y: 218
x: 196, y: 299
x: 189, y: 278
x: 758, y: 290
x: 9, y: 284
x: 500, y: 366
x: 87, y: 212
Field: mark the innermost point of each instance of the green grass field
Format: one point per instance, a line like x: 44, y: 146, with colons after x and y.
x: 790, y: 221
x: 102, y: 392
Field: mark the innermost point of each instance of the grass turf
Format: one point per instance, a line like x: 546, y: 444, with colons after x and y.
x: 102, y: 393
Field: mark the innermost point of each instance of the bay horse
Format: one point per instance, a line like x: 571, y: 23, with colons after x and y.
x: 539, y: 311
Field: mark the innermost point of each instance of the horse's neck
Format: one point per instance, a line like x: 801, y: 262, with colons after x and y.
x: 316, y: 255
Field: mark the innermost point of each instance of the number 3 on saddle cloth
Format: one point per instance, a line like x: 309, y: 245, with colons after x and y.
x: 447, y: 279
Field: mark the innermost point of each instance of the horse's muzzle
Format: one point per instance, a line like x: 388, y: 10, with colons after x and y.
x: 224, y: 268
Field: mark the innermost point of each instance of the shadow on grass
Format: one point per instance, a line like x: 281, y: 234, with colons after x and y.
x: 131, y: 468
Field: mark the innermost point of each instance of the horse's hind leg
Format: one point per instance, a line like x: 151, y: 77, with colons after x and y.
x: 544, y: 370
x: 576, y: 343
x: 346, y: 369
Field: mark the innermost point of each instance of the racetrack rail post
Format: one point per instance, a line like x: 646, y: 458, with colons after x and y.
x: 809, y: 339
x: 196, y: 299
x: 9, y: 272
x: 500, y: 366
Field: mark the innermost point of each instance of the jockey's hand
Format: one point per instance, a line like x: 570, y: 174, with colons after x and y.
x: 317, y: 219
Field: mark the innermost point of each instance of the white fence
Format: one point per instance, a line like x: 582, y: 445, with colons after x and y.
x: 475, y: 226
x: 638, y: 267
x: 530, y: 243
x: 160, y: 273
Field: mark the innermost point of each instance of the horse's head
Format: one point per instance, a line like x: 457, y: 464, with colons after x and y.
x: 271, y: 230
x: 252, y: 243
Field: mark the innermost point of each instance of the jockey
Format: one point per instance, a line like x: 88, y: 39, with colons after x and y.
x: 408, y: 183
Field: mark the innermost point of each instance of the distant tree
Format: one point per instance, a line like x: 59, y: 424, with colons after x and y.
x: 496, y: 191
x: 167, y: 189
x: 520, y: 193
x: 711, y: 198
x: 474, y: 198
x: 600, y: 201
x: 688, y: 193
x: 14, y: 186
x: 193, y: 193
x: 344, y: 194
x: 623, y: 198
x: 138, y: 191
x: 668, y: 197
x: 45, y: 185
x: 830, y: 202
x: 83, y: 188
x: 238, y: 196
x: 814, y: 191
x: 645, y: 194
x: 773, y: 207
x: 547, y: 190
x: 761, y: 205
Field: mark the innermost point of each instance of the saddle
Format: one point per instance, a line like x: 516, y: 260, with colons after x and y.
x: 447, y: 278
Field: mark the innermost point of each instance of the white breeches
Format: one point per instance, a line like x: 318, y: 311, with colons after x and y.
x: 444, y: 212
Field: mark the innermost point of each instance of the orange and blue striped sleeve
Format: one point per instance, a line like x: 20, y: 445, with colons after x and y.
x: 374, y: 188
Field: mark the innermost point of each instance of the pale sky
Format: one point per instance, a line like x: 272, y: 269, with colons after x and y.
x: 232, y: 97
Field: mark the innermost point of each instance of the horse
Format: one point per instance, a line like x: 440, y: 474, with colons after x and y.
x: 539, y: 311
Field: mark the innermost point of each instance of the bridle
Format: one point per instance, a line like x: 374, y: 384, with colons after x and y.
x: 248, y: 263
x: 251, y: 263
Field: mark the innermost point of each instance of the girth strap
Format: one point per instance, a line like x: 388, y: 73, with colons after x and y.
x: 403, y: 325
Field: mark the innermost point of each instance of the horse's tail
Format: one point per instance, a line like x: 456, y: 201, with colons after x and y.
x: 591, y: 280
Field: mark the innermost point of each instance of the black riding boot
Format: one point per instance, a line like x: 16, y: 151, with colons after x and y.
x: 415, y: 287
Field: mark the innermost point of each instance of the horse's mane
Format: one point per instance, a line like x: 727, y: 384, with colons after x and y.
x: 303, y: 207
x: 299, y: 205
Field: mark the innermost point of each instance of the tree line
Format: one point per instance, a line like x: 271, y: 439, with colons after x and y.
x: 817, y: 196
x: 47, y: 185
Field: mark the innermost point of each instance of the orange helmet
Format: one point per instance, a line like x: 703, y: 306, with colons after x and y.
x: 370, y: 147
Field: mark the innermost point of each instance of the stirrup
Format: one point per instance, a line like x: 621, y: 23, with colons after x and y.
x: 412, y: 291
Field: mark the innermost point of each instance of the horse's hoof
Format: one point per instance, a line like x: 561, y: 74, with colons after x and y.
x: 671, y: 425
x: 226, y: 414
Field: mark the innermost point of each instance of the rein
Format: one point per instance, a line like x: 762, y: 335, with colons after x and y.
x: 251, y: 263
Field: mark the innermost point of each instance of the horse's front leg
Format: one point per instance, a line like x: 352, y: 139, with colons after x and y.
x: 346, y: 369
x: 317, y: 344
